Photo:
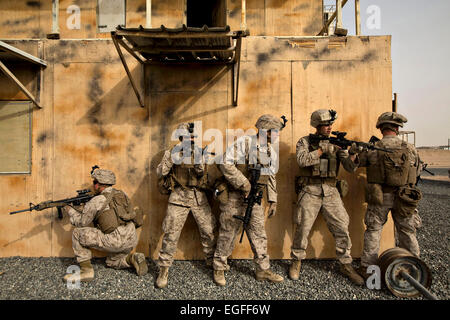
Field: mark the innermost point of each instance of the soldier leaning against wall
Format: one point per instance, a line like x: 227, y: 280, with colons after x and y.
x: 391, y: 179
x: 186, y: 183
x: 234, y: 189
x: 319, y: 162
x: 114, y: 232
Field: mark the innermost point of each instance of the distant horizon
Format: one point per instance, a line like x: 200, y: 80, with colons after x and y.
x: 419, y: 52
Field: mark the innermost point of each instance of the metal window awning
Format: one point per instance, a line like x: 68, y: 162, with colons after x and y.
x: 184, y: 45
x: 12, y: 54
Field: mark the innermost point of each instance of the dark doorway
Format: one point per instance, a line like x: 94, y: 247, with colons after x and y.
x: 206, y: 12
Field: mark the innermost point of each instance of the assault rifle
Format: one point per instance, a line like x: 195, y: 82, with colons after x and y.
x: 424, y: 168
x: 340, y: 141
x: 255, y: 196
x: 82, y: 197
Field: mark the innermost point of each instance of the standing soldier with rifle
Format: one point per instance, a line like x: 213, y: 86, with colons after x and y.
x: 114, y: 232
x: 182, y: 172
x: 391, y: 179
x: 319, y: 190
x: 242, y: 163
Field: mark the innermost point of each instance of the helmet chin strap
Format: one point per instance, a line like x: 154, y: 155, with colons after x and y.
x: 389, y: 127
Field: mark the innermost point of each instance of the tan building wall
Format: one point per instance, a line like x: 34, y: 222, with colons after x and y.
x: 21, y: 19
x: 91, y: 116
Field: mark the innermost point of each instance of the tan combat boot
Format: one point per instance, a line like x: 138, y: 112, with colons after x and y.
x: 294, y: 270
x: 86, y: 273
x: 209, y: 262
x: 161, y: 281
x: 268, y: 274
x: 219, y: 277
x: 348, y: 271
x: 362, y: 271
x: 137, y: 260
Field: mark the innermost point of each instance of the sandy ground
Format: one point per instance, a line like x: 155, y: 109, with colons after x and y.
x: 436, y: 158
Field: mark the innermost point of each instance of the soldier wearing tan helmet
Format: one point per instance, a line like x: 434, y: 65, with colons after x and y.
x: 391, y: 179
x: 114, y: 228
x: 235, y: 188
x: 186, y: 181
x: 319, y: 162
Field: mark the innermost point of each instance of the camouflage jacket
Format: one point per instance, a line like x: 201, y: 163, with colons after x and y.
x: 246, y: 149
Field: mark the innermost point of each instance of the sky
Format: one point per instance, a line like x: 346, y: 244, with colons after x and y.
x: 420, y: 47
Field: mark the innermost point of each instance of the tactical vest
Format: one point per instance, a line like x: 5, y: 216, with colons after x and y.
x: 328, y: 167
x: 263, y: 179
x: 184, y: 175
x: 392, y: 169
x: 119, y: 212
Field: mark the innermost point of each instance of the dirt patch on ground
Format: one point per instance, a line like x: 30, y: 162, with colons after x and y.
x: 435, y: 157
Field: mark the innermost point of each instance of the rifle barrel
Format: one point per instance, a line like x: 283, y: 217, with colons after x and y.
x: 18, y: 211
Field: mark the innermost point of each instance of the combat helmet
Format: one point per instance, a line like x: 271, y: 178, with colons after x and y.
x: 104, y: 176
x: 392, y: 118
x: 270, y: 122
x: 323, y: 117
x: 186, y: 129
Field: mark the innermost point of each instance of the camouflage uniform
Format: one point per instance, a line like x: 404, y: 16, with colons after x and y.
x: 321, y: 194
x: 114, y: 231
x: 319, y: 163
x: 229, y: 226
x: 239, y: 158
x: 376, y: 214
x: 183, y: 200
x: 118, y: 243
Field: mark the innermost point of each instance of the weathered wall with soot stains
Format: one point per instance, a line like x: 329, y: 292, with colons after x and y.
x: 91, y: 116
x: 21, y: 19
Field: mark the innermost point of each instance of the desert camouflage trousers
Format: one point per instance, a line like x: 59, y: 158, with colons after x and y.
x: 375, y: 218
x: 230, y: 227
x: 173, y: 224
x: 336, y: 217
x: 118, y: 244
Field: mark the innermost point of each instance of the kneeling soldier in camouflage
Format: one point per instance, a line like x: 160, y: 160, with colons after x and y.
x: 187, y: 184
x: 114, y: 232
x: 317, y: 184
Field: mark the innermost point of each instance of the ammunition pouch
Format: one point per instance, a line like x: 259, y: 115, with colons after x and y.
x: 318, y: 180
x: 328, y: 166
x: 165, y: 184
x: 221, y: 189
x: 396, y: 167
x: 139, y: 217
x: 184, y: 175
x: 391, y: 168
x: 300, y: 183
x: 406, y: 200
x: 342, y: 187
x: 106, y: 221
x: 374, y: 194
x: 412, y: 175
x: 119, y: 212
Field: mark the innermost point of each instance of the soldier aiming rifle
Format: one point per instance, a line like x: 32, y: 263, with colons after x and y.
x: 83, y: 196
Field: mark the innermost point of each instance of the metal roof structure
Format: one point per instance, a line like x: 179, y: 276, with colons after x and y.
x: 206, y: 45
x: 185, y: 44
x: 9, y: 53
